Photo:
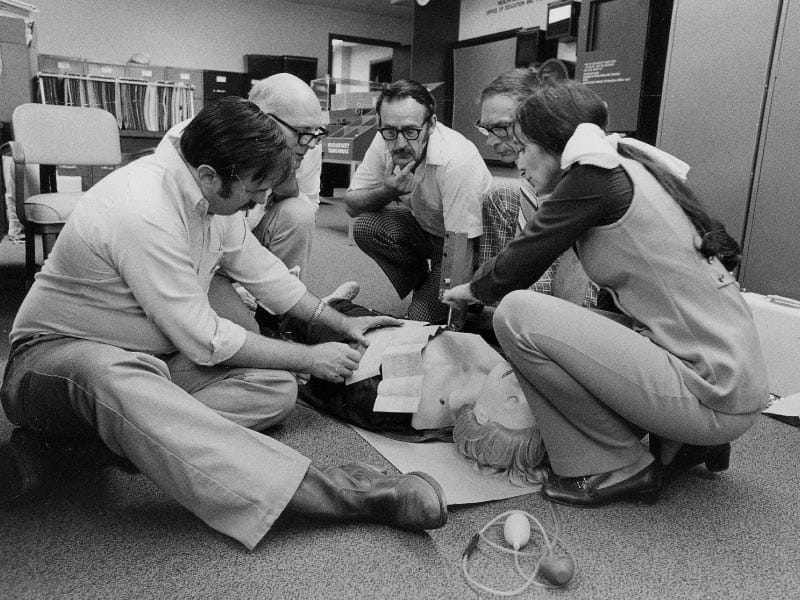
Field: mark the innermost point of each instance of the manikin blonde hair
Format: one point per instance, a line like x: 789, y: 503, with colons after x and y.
x: 518, y: 453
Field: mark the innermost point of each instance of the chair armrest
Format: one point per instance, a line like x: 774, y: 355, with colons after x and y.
x: 14, y: 149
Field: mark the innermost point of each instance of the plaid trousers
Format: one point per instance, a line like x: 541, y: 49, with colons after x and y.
x: 410, y: 256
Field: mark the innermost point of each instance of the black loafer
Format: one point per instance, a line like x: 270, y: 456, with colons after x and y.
x: 715, y: 458
x: 585, y: 492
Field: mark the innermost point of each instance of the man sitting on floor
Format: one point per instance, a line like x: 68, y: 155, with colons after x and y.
x: 116, y: 339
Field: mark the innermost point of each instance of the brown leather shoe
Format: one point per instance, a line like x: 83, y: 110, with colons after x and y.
x: 414, y: 501
x: 585, y: 492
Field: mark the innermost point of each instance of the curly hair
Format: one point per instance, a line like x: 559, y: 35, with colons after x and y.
x: 516, y: 452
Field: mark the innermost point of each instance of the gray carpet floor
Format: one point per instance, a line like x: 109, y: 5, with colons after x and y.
x: 109, y: 534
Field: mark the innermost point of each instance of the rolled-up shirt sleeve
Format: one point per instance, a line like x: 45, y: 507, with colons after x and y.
x: 371, y: 172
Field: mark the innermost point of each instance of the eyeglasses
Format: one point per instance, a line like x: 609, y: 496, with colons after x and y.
x: 501, y: 131
x: 409, y: 133
x: 304, y: 138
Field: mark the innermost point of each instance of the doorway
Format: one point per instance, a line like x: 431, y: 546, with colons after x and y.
x: 364, y: 59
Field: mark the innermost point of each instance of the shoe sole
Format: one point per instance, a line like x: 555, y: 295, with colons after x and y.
x: 648, y: 497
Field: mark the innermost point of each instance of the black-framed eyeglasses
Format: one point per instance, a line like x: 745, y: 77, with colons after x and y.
x: 304, y: 138
x: 410, y: 133
x: 501, y: 131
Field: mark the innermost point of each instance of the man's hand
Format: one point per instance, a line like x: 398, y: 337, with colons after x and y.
x: 355, y: 327
x: 399, y: 183
x: 333, y: 361
x: 459, y: 295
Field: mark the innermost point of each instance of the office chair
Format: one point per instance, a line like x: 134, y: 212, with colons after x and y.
x: 48, y: 136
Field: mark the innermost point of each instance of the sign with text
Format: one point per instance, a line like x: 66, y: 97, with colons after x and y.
x: 485, y: 17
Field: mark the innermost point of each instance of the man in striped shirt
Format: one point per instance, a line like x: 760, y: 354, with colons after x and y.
x: 508, y: 207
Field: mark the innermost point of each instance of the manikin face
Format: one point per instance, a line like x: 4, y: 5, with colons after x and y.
x: 538, y: 166
x: 405, y: 113
x: 497, y: 117
x: 501, y: 400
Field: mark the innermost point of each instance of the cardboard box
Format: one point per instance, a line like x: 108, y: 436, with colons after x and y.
x: 777, y: 320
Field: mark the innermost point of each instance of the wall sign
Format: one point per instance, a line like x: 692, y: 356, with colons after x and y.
x: 485, y: 17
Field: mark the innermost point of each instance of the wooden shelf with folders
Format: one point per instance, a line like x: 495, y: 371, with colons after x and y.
x: 139, y: 105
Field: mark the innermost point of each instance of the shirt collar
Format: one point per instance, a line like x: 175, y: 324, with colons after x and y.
x: 434, y: 153
x: 168, y: 151
x: 589, y: 145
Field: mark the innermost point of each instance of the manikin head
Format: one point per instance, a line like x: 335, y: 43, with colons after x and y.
x: 498, y: 431
x: 294, y: 106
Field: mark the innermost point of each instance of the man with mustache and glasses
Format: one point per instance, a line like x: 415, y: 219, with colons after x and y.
x: 419, y: 179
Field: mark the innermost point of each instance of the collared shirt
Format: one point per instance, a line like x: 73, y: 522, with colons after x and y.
x: 133, y: 265
x: 448, y: 183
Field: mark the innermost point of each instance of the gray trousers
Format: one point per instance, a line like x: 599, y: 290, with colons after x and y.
x: 188, y: 428
x: 594, y: 384
x: 287, y: 230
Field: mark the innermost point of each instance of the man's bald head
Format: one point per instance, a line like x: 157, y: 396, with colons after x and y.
x: 295, y: 106
x: 288, y: 97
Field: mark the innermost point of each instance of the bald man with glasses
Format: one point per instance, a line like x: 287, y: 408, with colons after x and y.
x: 419, y: 179
x: 285, y: 224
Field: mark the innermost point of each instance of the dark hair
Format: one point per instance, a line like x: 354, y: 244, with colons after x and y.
x: 516, y: 83
x: 406, y: 88
x: 551, y: 113
x: 233, y: 136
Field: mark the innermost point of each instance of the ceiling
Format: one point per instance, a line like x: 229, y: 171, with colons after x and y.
x: 393, y: 8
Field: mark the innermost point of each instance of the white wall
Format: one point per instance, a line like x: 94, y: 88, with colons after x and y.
x: 362, y: 56
x: 199, y: 34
